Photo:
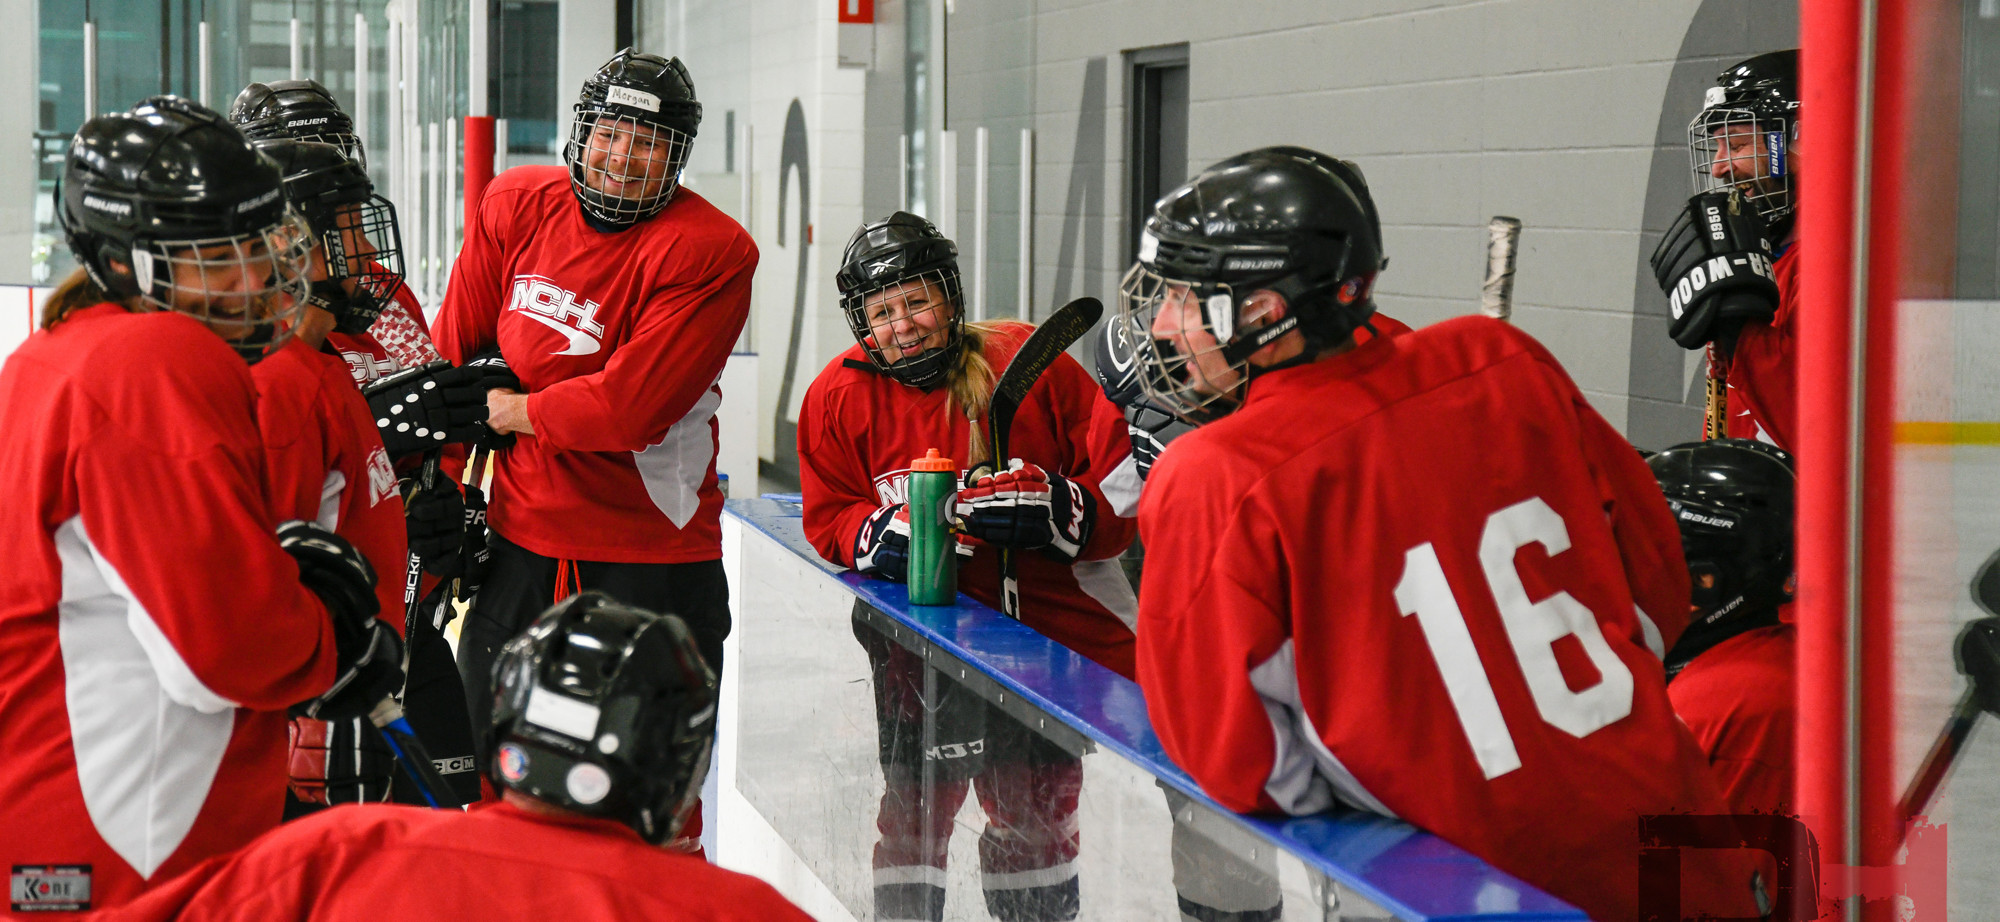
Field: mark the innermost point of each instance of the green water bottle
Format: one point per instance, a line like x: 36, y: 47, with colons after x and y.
x: 933, y: 576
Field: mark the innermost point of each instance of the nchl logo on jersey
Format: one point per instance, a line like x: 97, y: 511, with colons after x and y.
x: 550, y: 305
x: 893, y: 487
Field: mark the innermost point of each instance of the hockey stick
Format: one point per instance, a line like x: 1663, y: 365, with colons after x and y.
x: 1496, y: 294
x: 1979, y: 659
x: 413, y: 575
x: 1065, y: 326
x: 410, y: 753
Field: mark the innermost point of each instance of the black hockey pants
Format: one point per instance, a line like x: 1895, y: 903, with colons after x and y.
x: 521, y: 584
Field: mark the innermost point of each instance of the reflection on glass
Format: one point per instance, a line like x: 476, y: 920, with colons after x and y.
x: 937, y: 738
x: 914, y: 787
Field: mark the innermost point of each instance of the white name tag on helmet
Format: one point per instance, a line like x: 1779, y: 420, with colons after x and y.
x: 552, y: 710
x: 627, y: 96
x: 1714, y: 97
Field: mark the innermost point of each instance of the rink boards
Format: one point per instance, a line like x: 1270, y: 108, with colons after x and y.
x: 803, y: 772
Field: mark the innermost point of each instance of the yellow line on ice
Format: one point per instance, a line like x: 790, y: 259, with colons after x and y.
x: 1938, y: 433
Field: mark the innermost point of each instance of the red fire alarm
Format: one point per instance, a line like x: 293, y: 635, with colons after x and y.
x: 857, y: 10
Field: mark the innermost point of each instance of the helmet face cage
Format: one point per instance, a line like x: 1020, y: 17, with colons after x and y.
x: 649, y: 157
x: 930, y: 303
x: 363, y: 250
x: 250, y: 288
x: 1749, y: 150
x: 1186, y: 360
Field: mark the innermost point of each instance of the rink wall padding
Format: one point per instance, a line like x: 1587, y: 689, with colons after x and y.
x: 878, y: 739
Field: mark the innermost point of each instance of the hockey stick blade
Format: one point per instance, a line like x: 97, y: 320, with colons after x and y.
x: 1496, y: 294
x: 1064, y: 327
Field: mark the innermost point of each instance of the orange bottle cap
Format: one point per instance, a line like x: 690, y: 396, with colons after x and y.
x: 932, y: 462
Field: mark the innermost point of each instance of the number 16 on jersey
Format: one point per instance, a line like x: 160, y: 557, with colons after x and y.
x: 1532, y: 630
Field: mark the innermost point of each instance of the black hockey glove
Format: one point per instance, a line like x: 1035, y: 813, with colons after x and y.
x: 338, y: 762
x: 427, y: 406
x: 882, y: 548
x: 1978, y: 657
x: 493, y: 375
x: 1026, y: 508
x: 1151, y: 430
x: 370, y: 654
x: 1715, y: 266
x: 436, y: 521
x: 1118, y: 365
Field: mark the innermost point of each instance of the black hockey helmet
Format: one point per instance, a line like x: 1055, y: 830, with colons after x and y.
x: 1734, y: 501
x: 606, y: 710
x: 1755, y: 105
x: 300, y: 110
x: 162, y: 201
x: 359, y: 243
x: 650, y: 101
x: 1288, y: 220
x: 898, y: 251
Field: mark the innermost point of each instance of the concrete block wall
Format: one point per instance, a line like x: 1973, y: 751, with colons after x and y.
x: 1569, y: 114
x: 775, y: 64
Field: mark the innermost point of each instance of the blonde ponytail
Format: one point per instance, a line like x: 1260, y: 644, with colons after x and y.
x: 970, y: 387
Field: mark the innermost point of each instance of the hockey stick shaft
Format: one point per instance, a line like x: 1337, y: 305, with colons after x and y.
x: 1496, y: 294
x: 410, y: 752
x: 1715, y: 410
x: 1937, y: 763
x: 1063, y: 328
x: 413, y: 575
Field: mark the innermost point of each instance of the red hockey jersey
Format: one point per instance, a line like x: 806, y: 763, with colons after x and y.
x: 398, y: 339
x: 1424, y: 578
x: 151, y: 631
x: 1736, y: 698
x: 859, y: 430
x: 1763, y: 376
x: 497, y: 862
x: 620, y: 340
x: 325, y: 462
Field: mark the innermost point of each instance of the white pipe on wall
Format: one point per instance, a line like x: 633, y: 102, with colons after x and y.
x: 453, y: 211
x: 392, y: 158
x: 1026, y: 276
x: 203, y: 58
x: 361, y: 79
x: 89, y: 70
x: 475, y: 59
x: 435, y: 257
x: 982, y: 162
x: 947, y: 190
x: 298, y: 51
x: 903, y: 174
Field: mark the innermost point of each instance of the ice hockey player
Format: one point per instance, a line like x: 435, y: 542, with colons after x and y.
x: 616, y: 297
x: 152, y: 631
x: 918, y: 372
x: 381, y: 330
x: 1153, y: 427
x: 1729, y: 264
x: 1730, y: 675
x: 361, y: 310
x: 325, y: 462
x: 1328, y: 496
x: 602, y: 733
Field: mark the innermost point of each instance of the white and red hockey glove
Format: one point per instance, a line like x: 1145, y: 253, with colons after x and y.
x: 882, y: 547
x: 1026, y: 508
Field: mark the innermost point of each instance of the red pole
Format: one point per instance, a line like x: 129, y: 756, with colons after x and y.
x: 478, y: 162
x: 1828, y: 54
x: 1851, y: 58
